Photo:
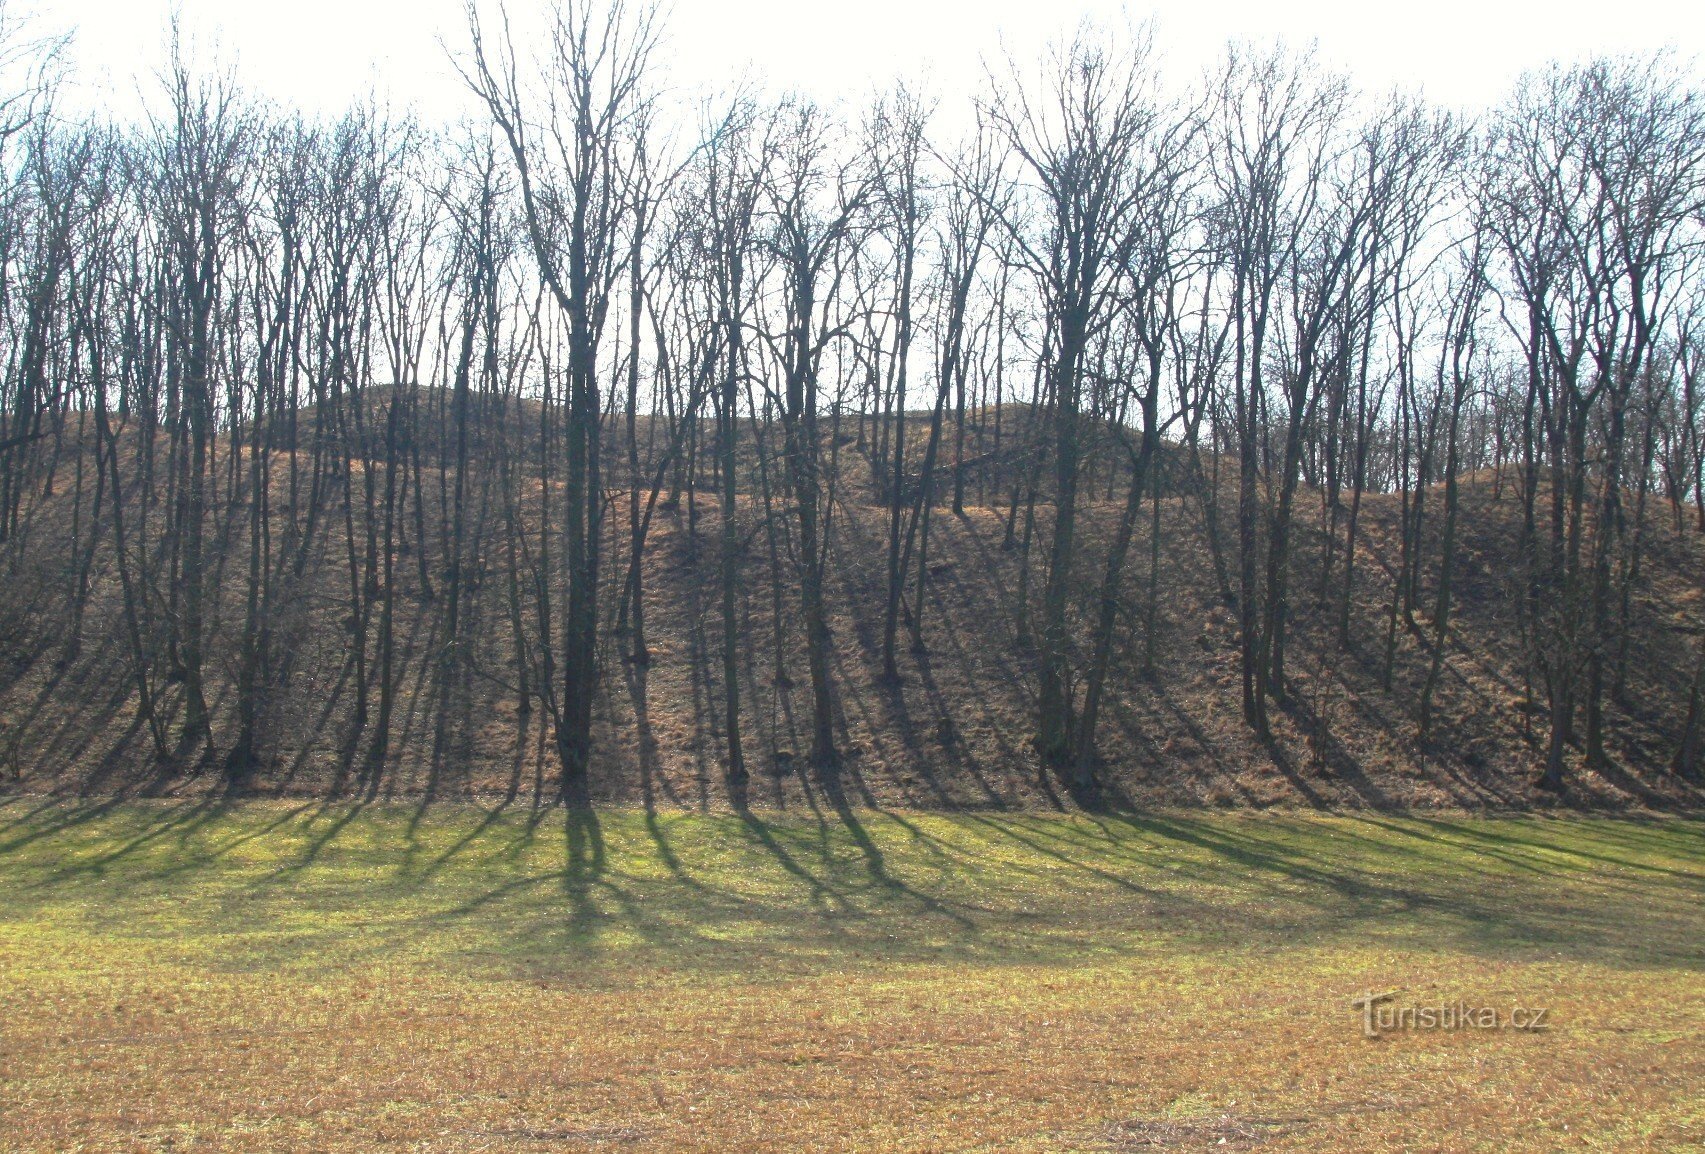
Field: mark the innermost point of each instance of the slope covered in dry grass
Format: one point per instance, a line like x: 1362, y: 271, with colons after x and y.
x: 953, y: 733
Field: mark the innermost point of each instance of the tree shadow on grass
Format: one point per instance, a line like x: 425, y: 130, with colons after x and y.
x: 182, y: 821
x: 746, y: 890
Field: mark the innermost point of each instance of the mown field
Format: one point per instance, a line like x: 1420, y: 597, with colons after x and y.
x: 272, y: 976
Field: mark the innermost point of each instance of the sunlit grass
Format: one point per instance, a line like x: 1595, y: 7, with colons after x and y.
x: 284, y: 976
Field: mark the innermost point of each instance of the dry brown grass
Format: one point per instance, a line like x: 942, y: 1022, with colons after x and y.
x: 954, y: 731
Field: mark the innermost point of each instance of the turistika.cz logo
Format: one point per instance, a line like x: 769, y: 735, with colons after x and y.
x: 1381, y: 1015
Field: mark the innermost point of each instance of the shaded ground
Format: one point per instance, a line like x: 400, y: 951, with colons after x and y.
x: 267, y: 976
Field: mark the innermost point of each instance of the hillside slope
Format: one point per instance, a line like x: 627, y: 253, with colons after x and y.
x: 953, y: 733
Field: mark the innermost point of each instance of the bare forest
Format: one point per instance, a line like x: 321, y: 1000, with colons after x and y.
x: 1122, y: 438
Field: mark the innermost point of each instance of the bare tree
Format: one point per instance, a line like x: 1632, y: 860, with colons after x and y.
x: 572, y: 150
x: 813, y: 206
x: 1079, y: 137
x: 200, y: 147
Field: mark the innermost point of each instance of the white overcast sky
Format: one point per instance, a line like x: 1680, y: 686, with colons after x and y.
x: 321, y: 54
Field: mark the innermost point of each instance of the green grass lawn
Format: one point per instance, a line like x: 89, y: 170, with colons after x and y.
x: 259, y: 976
